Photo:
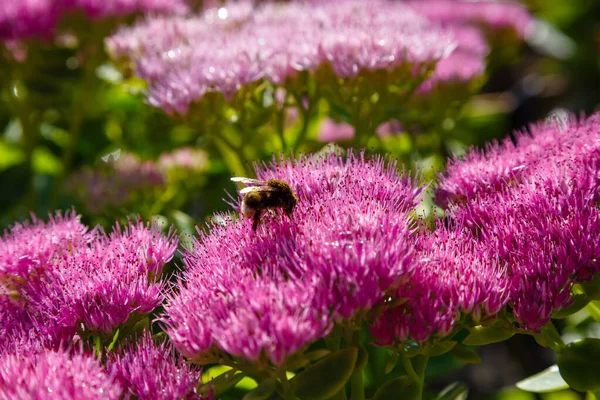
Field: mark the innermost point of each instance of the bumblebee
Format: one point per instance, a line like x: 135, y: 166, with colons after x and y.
x: 259, y: 196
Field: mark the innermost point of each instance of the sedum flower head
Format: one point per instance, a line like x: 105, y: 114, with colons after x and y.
x: 452, y: 278
x: 51, y: 374
x: 223, y: 50
x: 264, y: 295
x: 147, y: 370
x: 85, y: 286
x: 481, y: 173
x: 543, y: 222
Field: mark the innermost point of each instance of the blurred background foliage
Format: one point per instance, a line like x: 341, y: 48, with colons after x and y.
x: 71, y: 121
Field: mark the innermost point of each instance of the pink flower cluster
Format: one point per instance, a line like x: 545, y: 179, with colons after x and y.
x: 55, y: 374
x: 60, y: 279
x: 148, y: 370
x: 24, y: 19
x: 61, y: 283
x: 451, y: 278
x: 469, y: 20
x: 533, y: 205
x: 266, y: 295
x: 224, y: 49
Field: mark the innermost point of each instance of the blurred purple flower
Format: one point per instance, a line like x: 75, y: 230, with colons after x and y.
x: 225, y: 49
x: 185, y: 158
x: 150, y: 371
x: 331, y: 131
x: 25, y: 19
x: 493, y: 14
x: 116, y: 184
x: 270, y: 293
x: 51, y: 374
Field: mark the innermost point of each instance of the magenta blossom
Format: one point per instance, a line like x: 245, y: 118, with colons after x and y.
x: 533, y: 206
x: 49, y: 374
x: 147, y: 370
x: 85, y: 285
x: 269, y: 293
x: 452, y: 277
x: 501, y: 165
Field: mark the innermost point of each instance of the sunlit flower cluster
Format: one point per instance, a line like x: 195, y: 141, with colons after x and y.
x: 149, y: 370
x: 59, y: 279
x: 230, y: 47
x: 55, y: 374
x: 268, y: 294
x: 534, y: 207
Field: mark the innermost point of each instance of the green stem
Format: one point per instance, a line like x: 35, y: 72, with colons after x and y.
x: 81, y: 98
x: 285, y: 383
x: 593, y: 310
x: 279, y: 125
x: 420, y: 364
x: 25, y: 115
x: 357, y: 387
x: 240, y: 165
x: 410, y: 371
x: 306, y: 115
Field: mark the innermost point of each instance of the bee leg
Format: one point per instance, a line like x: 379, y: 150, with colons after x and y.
x: 256, y: 219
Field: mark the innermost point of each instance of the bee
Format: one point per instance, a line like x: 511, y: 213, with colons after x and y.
x: 260, y: 196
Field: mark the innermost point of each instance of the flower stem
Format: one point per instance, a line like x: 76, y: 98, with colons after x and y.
x: 415, y: 369
x: 306, y: 115
x: 357, y: 387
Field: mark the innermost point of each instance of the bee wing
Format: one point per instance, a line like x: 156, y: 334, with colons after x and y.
x: 258, y: 189
x: 249, y: 181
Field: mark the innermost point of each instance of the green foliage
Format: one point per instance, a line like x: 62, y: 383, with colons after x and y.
x: 482, y: 335
x: 579, y: 363
x: 399, y: 388
x: 326, y: 377
x: 549, y: 380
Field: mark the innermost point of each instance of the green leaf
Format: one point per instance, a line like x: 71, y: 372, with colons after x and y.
x: 592, y: 289
x: 482, y: 335
x: 399, y: 388
x: 581, y: 300
x: 438, y: 349
x: 262, y: 391
x: 549, y: 380
x: 549, y: 337
x: 454, y: 391
x: 10, y: 155
x: 327, y: 376
x: 317, y: 354
x: 45, y: 162
x: 222, y: 383
x: 391, y: 362
x: 362, y: 359
x: 465, y: 354
x: 98, y: 346
x: 579, y: 363
x: 114, y: 340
